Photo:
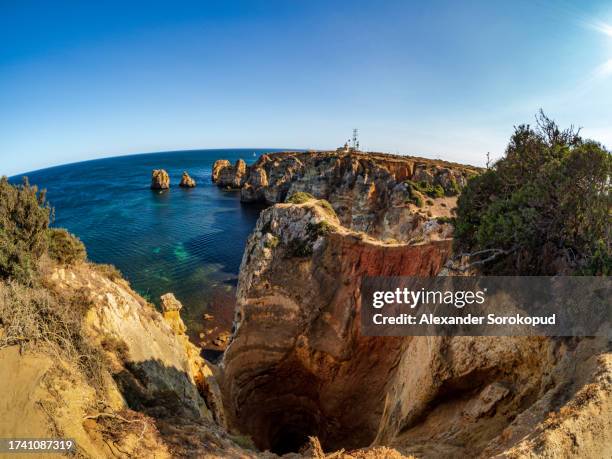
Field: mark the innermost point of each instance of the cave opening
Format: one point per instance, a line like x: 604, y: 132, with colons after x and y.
x: 289, y: 439
x: 282, y: 425
x: 288, y: 431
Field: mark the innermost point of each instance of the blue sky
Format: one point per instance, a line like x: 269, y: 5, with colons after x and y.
x: 80, y: 80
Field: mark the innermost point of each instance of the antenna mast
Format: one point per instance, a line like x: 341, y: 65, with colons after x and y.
x: 355, y: 140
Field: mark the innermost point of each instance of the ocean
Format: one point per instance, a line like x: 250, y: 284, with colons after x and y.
x: 185, y: 241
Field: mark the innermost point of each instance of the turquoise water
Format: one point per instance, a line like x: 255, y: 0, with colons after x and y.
x: 185, y: 241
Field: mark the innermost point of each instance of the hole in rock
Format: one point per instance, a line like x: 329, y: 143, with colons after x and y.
x: 292, y: 433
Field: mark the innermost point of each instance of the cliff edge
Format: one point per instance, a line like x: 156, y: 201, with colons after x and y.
x: 386, y: 196
x: 297, y: 366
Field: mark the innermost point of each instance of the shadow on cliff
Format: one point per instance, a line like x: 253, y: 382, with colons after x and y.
x: 161, y: 392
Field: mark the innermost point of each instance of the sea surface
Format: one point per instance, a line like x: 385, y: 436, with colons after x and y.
x: 185, y: 241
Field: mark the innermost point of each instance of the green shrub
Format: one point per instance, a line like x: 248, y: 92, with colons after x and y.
x: 433, y: 191
x: 108, y: 270
x: 327, y: 206
x: 443, y: 220
x: 454, y: 190
x: 315, y: 230
x: 546, y: 202
x: 415, y: 198
x: 437, y: 191
x: 300, y: 198
x: 65, y: 248
x: 303, y: 247
x: 24, y: 219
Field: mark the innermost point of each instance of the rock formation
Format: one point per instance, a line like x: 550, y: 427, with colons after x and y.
x: 218, y: 166
x: 297, y: 351
x: 297, y: 365
x: 166, y: 360
x: 187, y: 181
x: 160, y: 180
x: 386, y: 196
x: 151, y: 391
x: 227, y: 176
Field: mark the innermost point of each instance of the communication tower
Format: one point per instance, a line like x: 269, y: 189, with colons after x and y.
x: 355, y: 140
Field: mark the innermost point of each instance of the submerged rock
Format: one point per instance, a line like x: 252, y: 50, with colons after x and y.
x: 187, y: 181
x: 160, y: 180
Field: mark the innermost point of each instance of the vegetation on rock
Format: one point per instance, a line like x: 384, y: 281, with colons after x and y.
x: 414, y: 196
x: 544, y: 208
x: 34, y: 316
x: 25, y: 235
x: 24, y: 219
x: 110, y: 271
x: 300, y: 198
x: 433, y: 191
x: 303, y: 247
x: 29, y: 312
x: 64, y: 247
x: 327, y: 206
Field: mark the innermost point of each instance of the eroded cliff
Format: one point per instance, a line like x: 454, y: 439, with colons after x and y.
x: 136, y: 386
x: 297, y: 365
x: 386, y: 196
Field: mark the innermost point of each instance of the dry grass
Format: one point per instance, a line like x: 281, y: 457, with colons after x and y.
x: 314, y: 450
x: 110, y: 271
x: 35, y: 318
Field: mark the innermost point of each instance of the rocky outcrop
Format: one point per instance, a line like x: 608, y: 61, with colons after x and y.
x: 133, y: 384
x: 297, y: 365
x: 500, y: 397
x: 227, y: 176
x: 218, y: 166
x: 160, y: 180
x: 164, y: 366
x: 386, y: 196
x: 187, y: 181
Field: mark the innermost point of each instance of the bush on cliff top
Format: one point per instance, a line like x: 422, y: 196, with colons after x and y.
x: 544, y: 207
x: 64, y: 247
x: 24, y: 219
x: 25, y: 234
x: 433, y: 191
x: 30, y: 313
x: 301, y: 197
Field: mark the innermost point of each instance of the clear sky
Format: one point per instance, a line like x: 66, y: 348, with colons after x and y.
x: 448, y: 79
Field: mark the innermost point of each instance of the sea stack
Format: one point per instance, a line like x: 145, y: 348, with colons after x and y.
x: 227, y: 176
x: 160, y: 180
x: 218, y: 166
x: 187, y: 181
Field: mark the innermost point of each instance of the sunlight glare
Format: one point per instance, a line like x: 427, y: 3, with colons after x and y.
x: 604, y: 69
x: 602, y: 27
